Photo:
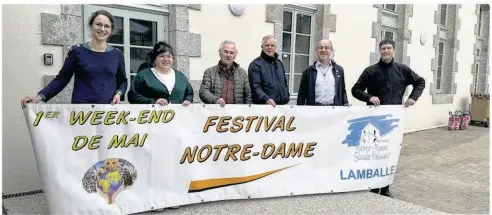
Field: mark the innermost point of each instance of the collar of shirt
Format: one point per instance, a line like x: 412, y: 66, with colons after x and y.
x: 319, y: 65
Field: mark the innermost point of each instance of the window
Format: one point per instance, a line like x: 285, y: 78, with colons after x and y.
x: 480, y: 22
x: 386, y: 34
x: 475, y: 77
x: 135, y: 33
x: 478, y: 53
x: 444, y: 9
x: 296, y: 47
x: 390, y: 7
x: 440, y: 66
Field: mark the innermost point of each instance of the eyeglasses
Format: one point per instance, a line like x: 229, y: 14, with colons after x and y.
x: 165, y: 56
x: 324, y: 47
x: 100, y: 25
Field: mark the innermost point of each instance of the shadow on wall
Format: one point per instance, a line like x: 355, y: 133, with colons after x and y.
x: 465, y: 104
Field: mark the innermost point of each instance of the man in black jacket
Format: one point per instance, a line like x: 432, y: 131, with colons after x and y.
x: 386, y: 82
x: 267, y: 76
x: 323, y: 83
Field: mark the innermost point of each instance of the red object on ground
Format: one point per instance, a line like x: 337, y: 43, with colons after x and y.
x: 454, y: 120
x: 465, y: 120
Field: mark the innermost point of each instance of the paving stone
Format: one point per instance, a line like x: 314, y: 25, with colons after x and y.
x: 445, y: 170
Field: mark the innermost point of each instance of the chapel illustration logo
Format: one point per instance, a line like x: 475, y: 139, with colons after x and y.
x: 109, y: 177
x: 368, y: 135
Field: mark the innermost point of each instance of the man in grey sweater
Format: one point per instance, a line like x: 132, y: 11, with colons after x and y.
x: 226, y: 82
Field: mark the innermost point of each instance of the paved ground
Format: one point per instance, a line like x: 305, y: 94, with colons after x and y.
x: 445, y: 170
x: 342, y: 203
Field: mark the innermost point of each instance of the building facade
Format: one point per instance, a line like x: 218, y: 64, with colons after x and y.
x: 445, y: 44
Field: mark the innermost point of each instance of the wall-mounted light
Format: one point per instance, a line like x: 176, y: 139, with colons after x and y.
x: 237, y: 9
x: 423, y: 38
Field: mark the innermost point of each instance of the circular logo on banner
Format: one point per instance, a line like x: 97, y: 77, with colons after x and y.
x: 109, y: 177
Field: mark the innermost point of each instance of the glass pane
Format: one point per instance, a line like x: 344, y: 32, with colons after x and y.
x: 302, y: 44
x: 138, y: 57
x: 476, y: 68
x: 480, y: 18
x: 391, y: 7
x: 286, y: 62
x: 117, y: 33
x: 478, y: 52
x: 444, y: 7
x: 143, y: 33
x: 297, y: 83
x: 302, y: 62
x: 438, y: 83
x: 388, y: 35
x: 286, y: 42
x: 287, y: 21
x: 303, y: 24
x: 475, y: 78
x: 131, y: 79
x: 443, y: 16
x: 439, y: 60
x: 441, y: 48
x: 287, y: 76
x: 439, y: 69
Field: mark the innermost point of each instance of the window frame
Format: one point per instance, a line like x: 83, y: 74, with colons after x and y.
x: 292, y: 73
x: 385, y: 7
x: 439, y: 78
x: 388, y: 30
x: 475, y: 76
x: 480, y: 14
x: 445, y: 15
x: 141, y: 12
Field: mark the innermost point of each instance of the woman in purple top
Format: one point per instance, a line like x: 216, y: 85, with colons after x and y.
x: 99, y: 69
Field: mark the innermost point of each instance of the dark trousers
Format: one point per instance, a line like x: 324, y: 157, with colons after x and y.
x: 382, y: 190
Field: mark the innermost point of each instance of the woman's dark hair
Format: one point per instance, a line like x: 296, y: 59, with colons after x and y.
x: 102, y: 12
x: 161, y: 47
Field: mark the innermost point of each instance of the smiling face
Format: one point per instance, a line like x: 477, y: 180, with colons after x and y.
x: 101, y: 28
x: 387, y: 52
x: 164, y: 61
x: 324, y: 50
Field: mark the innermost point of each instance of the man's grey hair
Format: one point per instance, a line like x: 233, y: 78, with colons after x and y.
x: 227, y: 42
x: 267, y: 37
x: 331, y: 43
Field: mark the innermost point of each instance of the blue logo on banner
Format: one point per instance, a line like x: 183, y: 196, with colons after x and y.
x: 369, y: 128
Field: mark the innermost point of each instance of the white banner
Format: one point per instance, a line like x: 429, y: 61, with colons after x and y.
x: 134, y: 158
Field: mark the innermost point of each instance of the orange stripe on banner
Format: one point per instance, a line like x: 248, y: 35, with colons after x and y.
x: 207, y: 184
